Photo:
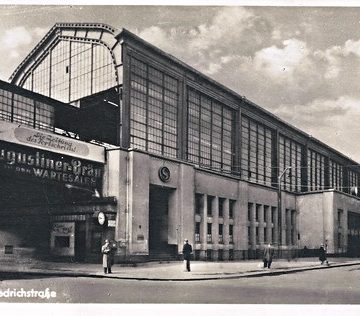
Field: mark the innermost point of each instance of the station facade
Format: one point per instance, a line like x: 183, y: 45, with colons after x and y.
x: 160, y: 152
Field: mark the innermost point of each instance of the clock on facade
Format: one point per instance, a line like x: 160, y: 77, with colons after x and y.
x: 101, y: 218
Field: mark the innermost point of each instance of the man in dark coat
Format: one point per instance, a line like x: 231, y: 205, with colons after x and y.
x: 322, y: 254
x: 187, y: 250
x: 268, y: 256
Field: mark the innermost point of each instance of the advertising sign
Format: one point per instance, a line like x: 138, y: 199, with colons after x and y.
x: 44, y: 140
x: 62, y: 239
x: 48, y: 166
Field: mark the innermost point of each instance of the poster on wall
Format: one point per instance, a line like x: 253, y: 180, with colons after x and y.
x: 62, y: 240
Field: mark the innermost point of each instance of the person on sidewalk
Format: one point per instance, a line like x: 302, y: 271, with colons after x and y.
x: 268, y: 256
x: 106, y: 251
x: 322, y: 254
x: 187, y: 250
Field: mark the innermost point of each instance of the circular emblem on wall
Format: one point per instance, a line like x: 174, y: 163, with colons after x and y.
x: 164, y: 174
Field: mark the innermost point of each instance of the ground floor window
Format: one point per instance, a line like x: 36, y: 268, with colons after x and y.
x: 221, y: 255
x: 231, y: 254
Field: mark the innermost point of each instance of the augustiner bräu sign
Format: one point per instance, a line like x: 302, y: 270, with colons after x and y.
x: 48, y: 166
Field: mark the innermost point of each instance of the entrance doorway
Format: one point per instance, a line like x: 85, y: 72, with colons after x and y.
x: 158, y: 224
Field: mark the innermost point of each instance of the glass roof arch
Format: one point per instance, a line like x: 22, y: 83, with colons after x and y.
x: 73, y: 60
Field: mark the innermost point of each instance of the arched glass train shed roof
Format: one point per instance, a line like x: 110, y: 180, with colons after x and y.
x: 72, y: 61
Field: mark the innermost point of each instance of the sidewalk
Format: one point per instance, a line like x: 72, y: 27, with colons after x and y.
x: 171, y: 271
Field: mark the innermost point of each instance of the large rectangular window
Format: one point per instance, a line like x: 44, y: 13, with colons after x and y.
x: 24, y: 110
x: 210, y: 200
x: 209, y: 132
x: 44, y: 116
x: 290, y: 156
x: 315, y: 171
x: 353, y: 182
x: 249, y: 211
x: 221, y: 228
x: 256, y: 151
x: 335, y: 175
x: 209, y: 232
x: 199, y: 203
x: 231, y: 234
x: 5, y: 105
x: 221, y: 207
x: 154, y: 108
x: 197, y: 232
x: 232, y: 204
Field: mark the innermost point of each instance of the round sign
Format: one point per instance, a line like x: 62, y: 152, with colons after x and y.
x: 164, y: 174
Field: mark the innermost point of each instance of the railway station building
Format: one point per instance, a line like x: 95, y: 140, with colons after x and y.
x: 105, y: 136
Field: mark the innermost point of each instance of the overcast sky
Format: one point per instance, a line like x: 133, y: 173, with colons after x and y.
x: 300, y: 63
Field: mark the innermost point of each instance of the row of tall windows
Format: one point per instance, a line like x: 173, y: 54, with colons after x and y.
x: 72, y: 70
x: 210, y: 128
x: 210, y: 212
x: 262, y: 223
x: 290, y: 156
x: 256, y: 151
x: 154, y: 108
x: 199, y: 205
x: 23, y: 110
x: 210, y: 232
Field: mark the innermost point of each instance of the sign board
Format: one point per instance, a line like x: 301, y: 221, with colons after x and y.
x: 47, y: 166
x: 111, y: 223
x: 62, y: 239
x: 40, y: 139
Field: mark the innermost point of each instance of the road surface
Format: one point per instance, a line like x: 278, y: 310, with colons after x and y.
x: 325, y: 286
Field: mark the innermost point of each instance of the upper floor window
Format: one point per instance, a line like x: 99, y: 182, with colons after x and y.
x: 290, y: 156
x: 199, y: 202
x: 17, y: 108
x: 256, y: 151
x: 221, y: 207
x: 210, y: 200
x: 231, y: 208
x: 209, y: 132
x: 153, y: 110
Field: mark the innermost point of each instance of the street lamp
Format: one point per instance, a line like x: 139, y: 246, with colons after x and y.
x: 279, y: 208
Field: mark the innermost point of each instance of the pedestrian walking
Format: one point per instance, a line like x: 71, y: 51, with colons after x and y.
x: 107, y: 257
x: 268, y: 256
x: 322, y: 254
x: 187, y: 250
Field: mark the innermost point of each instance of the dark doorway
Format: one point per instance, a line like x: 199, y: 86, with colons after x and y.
x: 158, y: 224
x: 353, y: 246
x: 80, y: 241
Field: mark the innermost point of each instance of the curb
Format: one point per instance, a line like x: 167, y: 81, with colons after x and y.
x: 256, y: 274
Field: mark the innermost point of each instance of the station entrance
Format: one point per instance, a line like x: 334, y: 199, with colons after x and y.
x: 159, y: 247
